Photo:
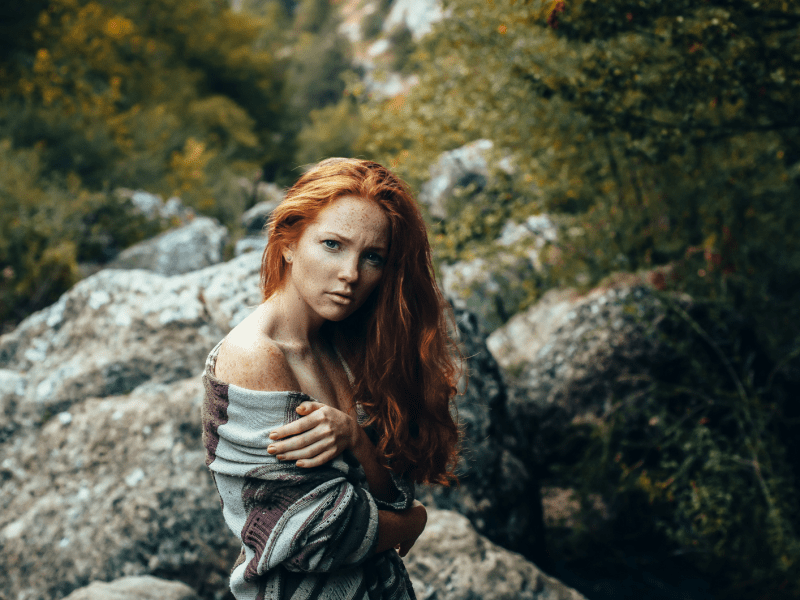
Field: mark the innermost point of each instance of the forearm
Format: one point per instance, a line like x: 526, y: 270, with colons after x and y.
x: 394, y: 528
x: 377, y: 474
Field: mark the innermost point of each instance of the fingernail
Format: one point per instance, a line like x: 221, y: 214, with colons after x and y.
x: 279, y: 457
x: 300, y: 463
x: 273, y: 436
x: 271, y: 449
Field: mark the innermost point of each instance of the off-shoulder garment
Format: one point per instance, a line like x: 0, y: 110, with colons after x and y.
x: 306, y: 534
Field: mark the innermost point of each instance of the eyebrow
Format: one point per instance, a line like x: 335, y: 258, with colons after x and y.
x: 348, y: 240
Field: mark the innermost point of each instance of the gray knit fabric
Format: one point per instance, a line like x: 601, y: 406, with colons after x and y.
x: 306, y: 533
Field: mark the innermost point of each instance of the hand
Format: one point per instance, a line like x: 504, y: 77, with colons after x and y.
x: 321, y: 435
x: 420, y: 519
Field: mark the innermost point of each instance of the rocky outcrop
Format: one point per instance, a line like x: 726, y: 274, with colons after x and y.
x: 153, y: 207
x: 497, y: 490
x: 115, y: 486
x: 190, y: 247
x: 570, y: 356
x: 135, y: 588
x: 119, y: 329
x: 102, y: 466
x: 450, y: 561
x: 456, y: 168
x: 418, y: 16
x: 495, y: 285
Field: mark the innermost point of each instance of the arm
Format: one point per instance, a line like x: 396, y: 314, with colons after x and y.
x: 400, y: 529
x: 321, y: 435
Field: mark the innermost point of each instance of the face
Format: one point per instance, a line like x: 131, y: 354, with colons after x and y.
x: 339, y: 259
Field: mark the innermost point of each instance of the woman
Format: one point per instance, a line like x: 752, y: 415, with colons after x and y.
x: 328, y: 402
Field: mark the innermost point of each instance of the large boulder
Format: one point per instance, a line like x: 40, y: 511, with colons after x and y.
x: 193, y: 246
x: 497, y: 489
x: 143, y: 587
x: 569, y: 356
x: 451, y: 561
x: 495, y: 284
x: 118, y: 329
x: 461, y: 167
x: 114, y: 487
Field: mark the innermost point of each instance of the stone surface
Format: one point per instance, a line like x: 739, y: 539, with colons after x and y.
x: 451, y: 561
x: 119, y: 487
x: 497, y: 490
x: 569, y: 356
x: 153, y: 207
x: 250, y: 244
x: 118, y: 329
x: 102, y: 468
x: 255, y: 219
x: 456, y: 168
x: 418, y: 15
x: 143, y: 587
x: 190, y: 247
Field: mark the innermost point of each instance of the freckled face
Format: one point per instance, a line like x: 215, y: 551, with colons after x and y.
x: 339, y: 259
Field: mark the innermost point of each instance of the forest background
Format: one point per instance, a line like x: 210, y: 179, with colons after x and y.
x: 661, y: 137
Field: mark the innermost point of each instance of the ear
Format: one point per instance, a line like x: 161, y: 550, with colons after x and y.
x: 288, y: 253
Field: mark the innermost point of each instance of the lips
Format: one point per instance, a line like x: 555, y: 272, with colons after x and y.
x: 341, y: 297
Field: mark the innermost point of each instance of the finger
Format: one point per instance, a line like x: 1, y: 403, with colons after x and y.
x: 307, y: 407
x: 299, y: 441
x: 318, y: 460
x: 307, y: 451
x: 302, y: 424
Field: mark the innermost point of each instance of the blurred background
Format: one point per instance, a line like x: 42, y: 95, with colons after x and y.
x: 573, y: 145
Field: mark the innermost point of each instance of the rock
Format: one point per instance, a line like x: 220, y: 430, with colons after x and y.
x: 492, y: 289
x: 456, y: 168
x: 569, y: 356
x: 497, y: 490
x: 135, y: 588
x: 255, y: 219
x: 451, y: 561
x: 418, y: 15
x: 495, y: 285
x: 188, y: 248
x: 118, y: 329
x: 119, y: 488
x: 250, y: 244
x: 153, y: 207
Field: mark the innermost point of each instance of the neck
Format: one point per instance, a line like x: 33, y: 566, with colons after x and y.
x: 283, y: 321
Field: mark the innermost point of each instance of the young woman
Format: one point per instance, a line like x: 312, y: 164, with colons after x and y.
x: 328, y: 402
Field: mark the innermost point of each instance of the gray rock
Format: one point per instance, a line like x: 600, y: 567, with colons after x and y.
x: 250, y: 244
x: 456, y: 168
x: 451, y: 561
x: 569, y: 356
x: 255, y: 219
x: 153, y: 207
x: 497, y: 490
x: 418, y: 15
x: 144, y: 587
x: 190, y: 247
x: 118, y: 329
x: 119, y: 489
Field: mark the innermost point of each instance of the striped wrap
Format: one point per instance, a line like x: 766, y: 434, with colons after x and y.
x: 306, y: 534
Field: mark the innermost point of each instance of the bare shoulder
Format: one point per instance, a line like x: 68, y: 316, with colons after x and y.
x: 254, y: 362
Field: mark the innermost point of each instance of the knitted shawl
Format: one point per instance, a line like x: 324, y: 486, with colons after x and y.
x: 307, y: 533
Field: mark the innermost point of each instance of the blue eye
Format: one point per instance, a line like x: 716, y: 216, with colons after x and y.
x: 375, y: 259
x: 331, y: 244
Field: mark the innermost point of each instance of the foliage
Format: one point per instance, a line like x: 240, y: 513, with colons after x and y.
x: 49, y: 228
x: 662, y: 136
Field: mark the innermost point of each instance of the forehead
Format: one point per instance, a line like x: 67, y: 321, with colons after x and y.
x: 354, y: 218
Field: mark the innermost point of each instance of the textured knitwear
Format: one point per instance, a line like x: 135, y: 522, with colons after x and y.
x: 307, y: 533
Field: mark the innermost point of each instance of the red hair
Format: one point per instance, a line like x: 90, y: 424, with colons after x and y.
x: 397, y: 344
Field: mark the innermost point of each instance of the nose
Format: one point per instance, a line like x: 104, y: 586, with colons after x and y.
x: 349, y: 271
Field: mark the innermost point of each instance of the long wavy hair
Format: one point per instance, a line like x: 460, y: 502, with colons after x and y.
x: 404, y: 362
